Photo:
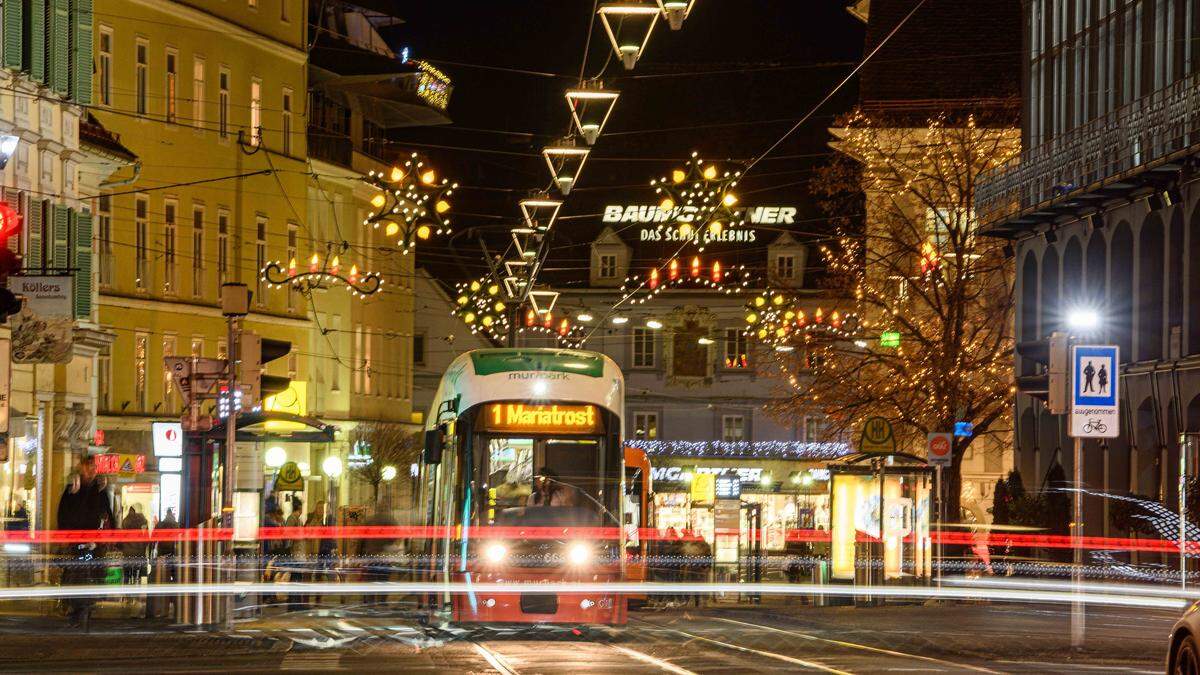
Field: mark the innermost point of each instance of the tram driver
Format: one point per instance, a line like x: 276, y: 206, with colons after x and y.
x: 548, y: 490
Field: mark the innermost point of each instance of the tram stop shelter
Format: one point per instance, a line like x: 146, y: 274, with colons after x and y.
x: 880, y: 519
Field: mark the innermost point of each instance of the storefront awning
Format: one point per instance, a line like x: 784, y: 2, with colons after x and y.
x: 284, y: 427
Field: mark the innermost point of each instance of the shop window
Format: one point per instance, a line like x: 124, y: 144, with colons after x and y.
x: 645, y: 426
x: 736, y: 348
x: 643, y: 348
x: 733, y: 428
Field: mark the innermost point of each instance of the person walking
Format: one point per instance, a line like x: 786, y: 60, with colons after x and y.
x: 84, y: 505
x: 134, y: 552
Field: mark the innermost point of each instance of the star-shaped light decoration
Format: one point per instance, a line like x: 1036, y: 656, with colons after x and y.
x: 411, y: 203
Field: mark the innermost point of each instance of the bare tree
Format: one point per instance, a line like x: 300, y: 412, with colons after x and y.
x: 389, y: 445
x: 914, y: 264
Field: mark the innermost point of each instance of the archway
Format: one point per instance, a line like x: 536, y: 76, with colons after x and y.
x: 1072, y: 275
x: 1175, y: 287
x: 1096, y: 273
x: 1026, y: 440
x: 1029, y: 288
x: 1144, y: 461
x: 1149, y: 316
x: 1049, y: 293
x: 1120, y: 305
x: 1193, y: 287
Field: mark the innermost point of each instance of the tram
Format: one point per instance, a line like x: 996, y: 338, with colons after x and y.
x: 522, y: 481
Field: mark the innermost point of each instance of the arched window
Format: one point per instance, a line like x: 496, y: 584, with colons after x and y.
x: 1150, y: 289
x: 1096, y: 274
x: 1120, y: 306
x: 1029, y: 289
x: 1050, y: 293
x: 1072, y: 275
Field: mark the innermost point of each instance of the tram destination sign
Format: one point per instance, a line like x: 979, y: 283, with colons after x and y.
x: 541, y: 419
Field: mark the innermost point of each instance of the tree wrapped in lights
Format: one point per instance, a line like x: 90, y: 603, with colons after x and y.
x: 916, y: 266
x: 411, y: 204
x: 699, y: 195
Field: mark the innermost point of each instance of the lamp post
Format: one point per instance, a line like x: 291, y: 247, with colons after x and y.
x: 1082, y: 322
x: 332, y: 468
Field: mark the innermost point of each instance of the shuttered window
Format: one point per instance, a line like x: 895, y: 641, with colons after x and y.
x: 61, y: 242
x: 59, y: 46
x: 38, y: 17
x: 81, y: 52
x: 14, y: 33
x: 83, y: 265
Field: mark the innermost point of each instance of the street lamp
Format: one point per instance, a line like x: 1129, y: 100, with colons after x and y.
x: 388, y: 473
x: 1083, y: 320
x: 332, y: 466
x: 275, y: 457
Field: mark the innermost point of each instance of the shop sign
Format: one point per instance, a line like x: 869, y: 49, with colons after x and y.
x: 168, y: 439
x: 728, y: 487
x: 652, y: 213
x: 727, y: 516
x: 43, y: 331
x: 125, y: 466
x: 674, y: 474
x: 543, y: 419
x: 289, y: 477
x: 877, y: 437
x: 704, y: 487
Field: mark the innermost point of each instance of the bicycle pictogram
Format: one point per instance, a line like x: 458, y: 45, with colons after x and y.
x: 1095, y: 426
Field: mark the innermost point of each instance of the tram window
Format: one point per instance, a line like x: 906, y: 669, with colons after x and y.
x: 577, y: 464
x: 510, y: 471
x: 633, y: 506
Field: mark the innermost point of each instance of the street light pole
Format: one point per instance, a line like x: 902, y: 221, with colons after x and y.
x: 1078, y: 616
x: 235, y: 304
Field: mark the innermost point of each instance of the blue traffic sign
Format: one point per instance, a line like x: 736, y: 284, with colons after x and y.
x: 1094, y: 376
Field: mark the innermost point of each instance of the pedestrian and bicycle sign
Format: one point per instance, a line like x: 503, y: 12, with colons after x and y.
x: 1095, y: 404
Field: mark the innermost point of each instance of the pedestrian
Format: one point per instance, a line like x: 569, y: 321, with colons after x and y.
x: 84, y: 505
x: 19, y: 519
x: 134, y: 552
x: 1103, y: 377
x: 166, y: 547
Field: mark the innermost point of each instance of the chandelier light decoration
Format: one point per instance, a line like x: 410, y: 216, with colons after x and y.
x: 697, y: 201
x: 776, y: 318
x: 320, y: 273
x: 411, y: 203
x: 590, y: 105
x: 694, y: 272
x: 565, y: 161
x: 676, y: 11
x: 480, y: 303
x: 629, y: 25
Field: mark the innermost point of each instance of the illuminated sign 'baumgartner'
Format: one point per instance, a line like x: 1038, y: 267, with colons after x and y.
x: 651, y: 213
x: 575, y: 419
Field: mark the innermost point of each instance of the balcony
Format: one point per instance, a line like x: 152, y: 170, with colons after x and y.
x: 1134, y: 146
x: 332, y: 147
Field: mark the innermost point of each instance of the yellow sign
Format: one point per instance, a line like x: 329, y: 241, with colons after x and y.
x: 704, y: 487
x: 877, y: 437
x: 543, y: 419
x: 289, y: 477
x: 293, y: 400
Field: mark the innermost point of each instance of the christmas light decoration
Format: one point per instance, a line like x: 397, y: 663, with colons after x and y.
x: 793, y: 450
x: 774, y: 318
x: 540, y: 212
x: 732, y: 280
x: 480, y: 303
x: 565, y: 162
x: 676, y: 11
x: 590, y: 107
x: 321, y: 273
x: 696, y: 198
x: 629, y: 26
x: 410, y: 204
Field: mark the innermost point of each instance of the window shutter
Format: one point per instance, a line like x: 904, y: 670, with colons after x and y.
x: 83, y: 265
x: 60, y: 46
x: 62, y: 228
x: 82, y: 54
x: 34, y: 224
x: 37, y: 39
x: 12, y: 34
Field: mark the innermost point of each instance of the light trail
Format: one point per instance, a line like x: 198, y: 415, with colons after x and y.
x: 1144, y: 590
x: 1177, y: 602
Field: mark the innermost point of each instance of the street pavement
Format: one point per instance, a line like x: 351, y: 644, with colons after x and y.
x: 721, y: 639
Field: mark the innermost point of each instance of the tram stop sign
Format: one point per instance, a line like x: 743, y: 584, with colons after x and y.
x: 877, y: 437
x: 938, y: 449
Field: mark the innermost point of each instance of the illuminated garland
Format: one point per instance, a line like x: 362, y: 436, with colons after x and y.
x: 698, y: 195
x: 319, y: 274
x: 743, y: 449
x: 698, y: 273
x: 479, y: 304
x: 775, y: 318
x: 410, y: 202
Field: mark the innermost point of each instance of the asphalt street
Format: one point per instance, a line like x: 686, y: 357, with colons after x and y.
x: 949, y: 638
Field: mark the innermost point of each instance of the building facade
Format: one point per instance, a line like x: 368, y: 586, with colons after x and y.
x: 1101, y: 212
x: 62, y: 160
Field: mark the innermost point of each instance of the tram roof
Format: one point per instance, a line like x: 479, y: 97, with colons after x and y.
x: 530, y: 374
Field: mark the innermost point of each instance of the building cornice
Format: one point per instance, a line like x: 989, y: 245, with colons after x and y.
x: 228, y: 29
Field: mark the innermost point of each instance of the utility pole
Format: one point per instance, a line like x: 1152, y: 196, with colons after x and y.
x: 235, y: 304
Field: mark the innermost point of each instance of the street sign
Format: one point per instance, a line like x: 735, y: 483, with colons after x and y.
x: 289, y: 478
x: 938, y: 449
x: 1095, y: 404
x: 889, y: 338
x: 727, y: 486
x: 877, y: 437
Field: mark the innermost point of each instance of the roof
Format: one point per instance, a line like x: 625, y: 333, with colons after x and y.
x: 93, y: 136
x: 949, y: 52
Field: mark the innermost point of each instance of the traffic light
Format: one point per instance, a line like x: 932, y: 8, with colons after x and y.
x: 1049, y: 386
x: 254, y: 352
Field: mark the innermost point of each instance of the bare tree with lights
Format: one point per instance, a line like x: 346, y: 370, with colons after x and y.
x: 389, y: 445
x: 914, y: 265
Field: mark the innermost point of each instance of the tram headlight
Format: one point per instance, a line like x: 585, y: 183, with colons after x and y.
x: 495, y: 552
x: 579, y: 553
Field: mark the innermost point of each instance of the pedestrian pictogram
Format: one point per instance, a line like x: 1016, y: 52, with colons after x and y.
x: 1095, y: 404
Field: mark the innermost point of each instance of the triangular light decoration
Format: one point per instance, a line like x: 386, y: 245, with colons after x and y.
x: 590, y: 107
x: 543, y: 301
x: 526, y: 240
x: 675, y: 11
x: 565, y: 162
x: 629, y: 25
x: 540, y: 212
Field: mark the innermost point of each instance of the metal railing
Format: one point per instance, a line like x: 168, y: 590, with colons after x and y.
x: 330, y: 147
x: 1126, y: 141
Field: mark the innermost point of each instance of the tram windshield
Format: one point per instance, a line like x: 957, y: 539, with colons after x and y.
x: 548, y: 481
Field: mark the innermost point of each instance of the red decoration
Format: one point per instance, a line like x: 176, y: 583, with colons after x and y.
x: 654, y: 278
x: 10, y: 220
x: 674, y: 269
x: 716, y: 272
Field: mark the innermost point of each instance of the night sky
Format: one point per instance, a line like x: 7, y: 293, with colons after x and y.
x: 727, y: 85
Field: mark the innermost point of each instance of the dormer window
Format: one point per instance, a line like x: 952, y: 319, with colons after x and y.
x: 785, y: 266
x: 608, y: 266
